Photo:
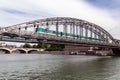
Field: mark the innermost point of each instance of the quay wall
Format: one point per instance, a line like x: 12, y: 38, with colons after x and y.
x: 97, y: 53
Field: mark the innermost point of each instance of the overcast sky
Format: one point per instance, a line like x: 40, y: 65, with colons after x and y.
x: 105, y: 13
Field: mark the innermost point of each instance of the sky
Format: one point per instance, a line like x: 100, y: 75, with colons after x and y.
x: 105, y: 13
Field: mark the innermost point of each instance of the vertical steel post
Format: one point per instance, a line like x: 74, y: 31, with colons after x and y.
x: 95, y: 33
x: 47, y: 27
x: 104, y: 37
x: 81, y: 30
x: 99, y: 36
x: 91, y: 32
x: 57, y: 27
x: 77, y: 31
x: 26, y: 28
x: 70, y: 30
x: 65, y: 27
x: 37, y: 27
x: 19, y: 31
x: 86, y: 32
x: 34, y: 27
x: 107, y: 38
x: 73, y: 29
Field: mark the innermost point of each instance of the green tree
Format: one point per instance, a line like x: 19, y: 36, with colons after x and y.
x: 55, y: 47
x: 44, y: 45
x: 26, y: 45
x: 39, y: 45
x: 34, y: 46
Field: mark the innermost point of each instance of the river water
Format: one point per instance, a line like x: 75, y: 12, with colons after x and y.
x: 58, y: 67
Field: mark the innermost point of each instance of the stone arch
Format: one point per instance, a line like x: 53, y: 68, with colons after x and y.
x: 21, y: 51
x: 32, y: 51
x: 5, y: 51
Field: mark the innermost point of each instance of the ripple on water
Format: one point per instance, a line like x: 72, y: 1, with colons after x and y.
x: 58, y: 67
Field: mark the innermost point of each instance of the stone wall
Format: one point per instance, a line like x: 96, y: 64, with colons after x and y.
x: 75, y: 48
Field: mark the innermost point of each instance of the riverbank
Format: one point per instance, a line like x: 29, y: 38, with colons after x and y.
x: 96, y: 53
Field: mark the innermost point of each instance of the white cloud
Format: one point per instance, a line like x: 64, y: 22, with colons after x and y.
x: 36, y: 9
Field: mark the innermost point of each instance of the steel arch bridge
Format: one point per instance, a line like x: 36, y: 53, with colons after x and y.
x: 59, y: 30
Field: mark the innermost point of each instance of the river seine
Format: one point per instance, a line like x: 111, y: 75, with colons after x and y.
x: 58, y: 67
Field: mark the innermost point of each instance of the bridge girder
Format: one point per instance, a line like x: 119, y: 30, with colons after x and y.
x: 81, y: 26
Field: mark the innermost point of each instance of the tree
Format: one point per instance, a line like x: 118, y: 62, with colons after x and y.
x: 39, y: 45
x: 44, y: 45
x: 55, y: 47
x: 34, y: 46
x: 26, y: 45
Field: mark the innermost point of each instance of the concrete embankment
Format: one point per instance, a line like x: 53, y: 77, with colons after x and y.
x: 54, y: 52
x: 97, y: 53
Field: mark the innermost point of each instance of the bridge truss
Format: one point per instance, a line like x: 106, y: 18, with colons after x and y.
x: 62, y: 30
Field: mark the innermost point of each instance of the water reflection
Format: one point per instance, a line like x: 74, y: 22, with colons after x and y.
x: 58, y: 67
